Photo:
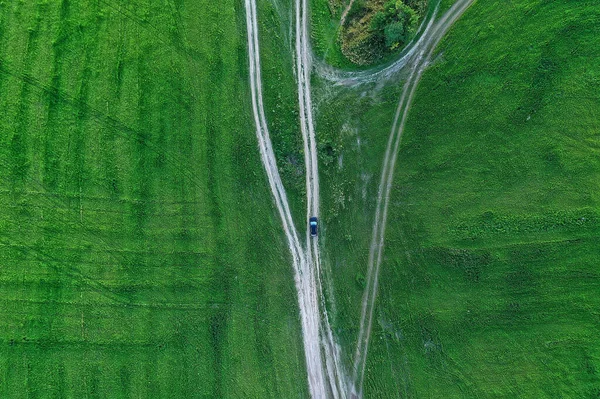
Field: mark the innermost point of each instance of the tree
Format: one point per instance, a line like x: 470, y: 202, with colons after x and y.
x: 395, y: 24
x: 395, y: 34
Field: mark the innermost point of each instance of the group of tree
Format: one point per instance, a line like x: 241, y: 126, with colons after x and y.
x: 374, y: 29
x: 395, y: 24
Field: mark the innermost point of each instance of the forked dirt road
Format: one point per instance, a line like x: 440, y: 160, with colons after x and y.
x: 323, y: 376
x: 326, y: 377
x: 304, y: 276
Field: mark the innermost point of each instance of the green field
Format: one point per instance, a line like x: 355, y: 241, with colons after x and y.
x: 140, y: 254
x: 490, y: 286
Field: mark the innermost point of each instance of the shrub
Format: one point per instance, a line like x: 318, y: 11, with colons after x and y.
x: 378, y: 21
x: 373, y: 30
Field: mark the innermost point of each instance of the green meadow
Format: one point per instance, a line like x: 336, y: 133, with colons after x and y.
x: 140, y: 253
x: 490, y: 286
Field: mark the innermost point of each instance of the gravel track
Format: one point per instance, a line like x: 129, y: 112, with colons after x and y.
x: 377, y: 74
x: 323, y: 377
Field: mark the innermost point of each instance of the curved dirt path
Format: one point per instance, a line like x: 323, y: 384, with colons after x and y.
x: 379, y: 73
x: 304, y: 277
x: 418, y: 62
x: 345, y: 13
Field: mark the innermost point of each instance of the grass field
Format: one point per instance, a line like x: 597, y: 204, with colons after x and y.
x: 137, y: 247
x: 490, y: 285
x: 140, y: 254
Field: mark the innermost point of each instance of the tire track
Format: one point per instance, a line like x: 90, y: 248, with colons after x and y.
x: 304, y: 276
x: 377, y: 74
x: 335, y: 377
x: 417, y: 63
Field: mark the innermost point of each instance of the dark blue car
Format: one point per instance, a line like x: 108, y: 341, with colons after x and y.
x: 313, y: 226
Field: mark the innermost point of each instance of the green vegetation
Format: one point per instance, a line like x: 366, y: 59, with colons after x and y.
x: 325, y: 23
x: 325, y: 30
x: 490, y: 284
x: 362, y: 40
x: 137, y: 245
x: 374, y: 30
x: 277, y: 48
x: 395, y: 25
x: 140, y: 253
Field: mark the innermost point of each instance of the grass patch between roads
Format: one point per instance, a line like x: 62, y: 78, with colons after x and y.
x: 137, y: 247
x: 489, y: 286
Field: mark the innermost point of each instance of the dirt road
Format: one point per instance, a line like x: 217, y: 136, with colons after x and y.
x: 335, y: 376
x: 326, y: 376
x: 378, y: 74
x: 418, y: 61
x: 304, y: 277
